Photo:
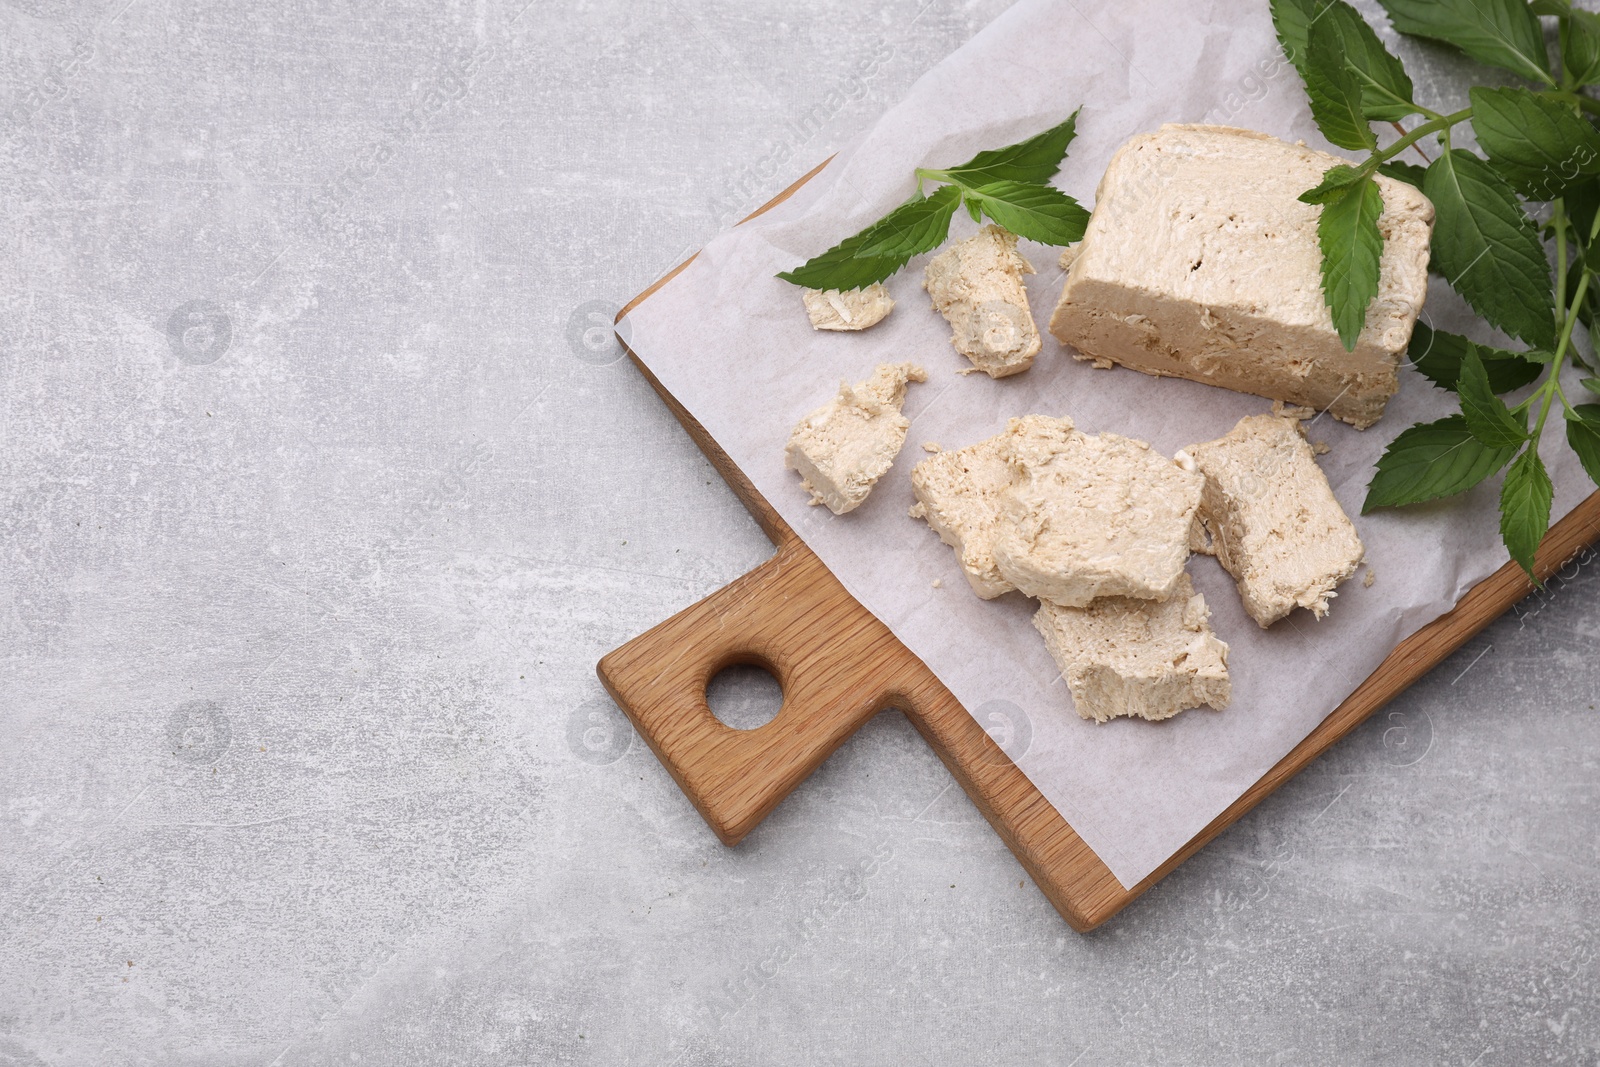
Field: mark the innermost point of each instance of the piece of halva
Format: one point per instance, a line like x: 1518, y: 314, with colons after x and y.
x: 848, y: 309
x: 977, y: 285
x: 958, y: 494
x: 1201, y: 262
x: 1142, y: 658
x: 844, y: 447
x: 1273, y: 521
x: 1091, y: 516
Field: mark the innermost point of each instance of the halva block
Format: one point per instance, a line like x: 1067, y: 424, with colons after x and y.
x: 1200, y: 262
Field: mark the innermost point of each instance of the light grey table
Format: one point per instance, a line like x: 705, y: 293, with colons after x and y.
x: 324, y: 488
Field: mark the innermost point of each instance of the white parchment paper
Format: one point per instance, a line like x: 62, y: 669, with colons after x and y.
x: 733, y: 344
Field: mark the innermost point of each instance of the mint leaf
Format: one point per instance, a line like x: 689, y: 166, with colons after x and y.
x: 1583, y: 434
x: 1335, y: 183
x: 1351, y: 250
x: 1488, y: 418
x: 1510, y: 371
x: 1583, y: 201
x: 1292, y: 19
x: 922, y: 224
x: 1591, y: 384
x: 1540, y: 146
x: 1525, y: 507
x: 1432, y: 460
x: 838, y: 268
x: 1040, y: 213
x: 1501, y: 33
x: 1439, y: 355
x: 1409, y: 173
x: 1035, y: 160
x: 917, y: 226
x: 1385, y: 88
x: 1488, y: 249
x: 1580, y: 47
x: 1334, y: 91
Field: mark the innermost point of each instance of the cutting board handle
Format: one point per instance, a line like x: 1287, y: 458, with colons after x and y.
x: 791, y: 617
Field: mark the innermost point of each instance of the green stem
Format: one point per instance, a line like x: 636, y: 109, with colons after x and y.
x: 1551, y: 390
x: 1558, y: 218
x: 1438, y: 123
x: 1549, y: 399
x: 1442, y: 123
x: 1587, y: 103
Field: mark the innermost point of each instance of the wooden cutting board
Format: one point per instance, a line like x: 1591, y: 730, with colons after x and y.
x: 839, y: 666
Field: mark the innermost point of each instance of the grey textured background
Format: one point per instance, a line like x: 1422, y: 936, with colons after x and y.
x: 323, y: 490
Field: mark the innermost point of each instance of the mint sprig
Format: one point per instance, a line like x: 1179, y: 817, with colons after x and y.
x: 1539, y: 144
x: 1007, y: 185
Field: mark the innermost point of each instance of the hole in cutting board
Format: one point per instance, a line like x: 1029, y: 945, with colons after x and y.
x: 744, y: 696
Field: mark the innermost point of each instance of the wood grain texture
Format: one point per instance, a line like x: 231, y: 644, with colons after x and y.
x: 838, y: 666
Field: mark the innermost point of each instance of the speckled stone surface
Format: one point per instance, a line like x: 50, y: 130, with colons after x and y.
x: 324, y: 489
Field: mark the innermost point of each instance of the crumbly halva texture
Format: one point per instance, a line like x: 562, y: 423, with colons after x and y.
x: 1199, y: 537
x: 958, y: 494
x: 848, y: 309
x: 1091, y: 516
x: 1273, y: 520
x: 1142, y: 658
x: 844, y: 447
x: 977, y: 285
x: 1200, y: 262
x: 1297, y: 412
